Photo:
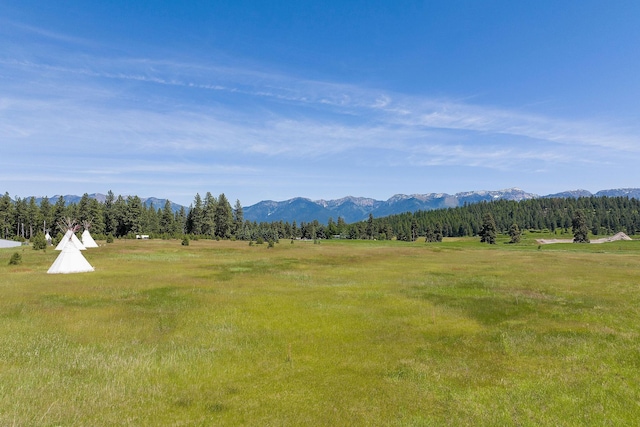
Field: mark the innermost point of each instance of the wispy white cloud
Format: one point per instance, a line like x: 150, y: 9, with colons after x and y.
x: 153, y: 118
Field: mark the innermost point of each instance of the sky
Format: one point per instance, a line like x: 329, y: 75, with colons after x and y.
x: 275, y: 100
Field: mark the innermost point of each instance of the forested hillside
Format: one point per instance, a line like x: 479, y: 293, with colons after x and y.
x: 604, y: 215
x: 214, y: 217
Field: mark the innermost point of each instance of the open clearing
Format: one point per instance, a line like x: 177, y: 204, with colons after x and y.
x: 337, y: 333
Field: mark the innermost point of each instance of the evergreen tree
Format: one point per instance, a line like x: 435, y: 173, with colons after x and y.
x: 95, y: 215
x: 46, y: 214
x: 489, y: 230
x: 181, y: 221
x: 238, y: 218
x: 514, y: 233
x: 119, y: 215
x: 151, y: 219
x: 195, y: 216
x: 167, y: 220
x: 38, y: 241
x: 579, y: 228
x: 110, y: 221
x: 133, y: 219
x: 223, y: 218
x: 59, y: 211
x: 34, y: 221
x: 83, y: 209
x: 370, y: 227
x: 209, y: 215
x: 20, y: 216
x: 7, y: 216
x: 414, y: 230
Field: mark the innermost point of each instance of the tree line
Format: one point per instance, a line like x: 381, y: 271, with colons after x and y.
x: 602, y: 216
x: 125, y: 217
x: 214, y: 217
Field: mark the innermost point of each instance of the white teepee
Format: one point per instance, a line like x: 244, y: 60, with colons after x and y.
x: 70, y: 260
x: 70, y: 239
x: 87, y: 240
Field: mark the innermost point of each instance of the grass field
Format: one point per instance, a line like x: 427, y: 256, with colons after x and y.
x: 332, y: 334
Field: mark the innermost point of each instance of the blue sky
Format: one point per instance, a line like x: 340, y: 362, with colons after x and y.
x: 273, y: 100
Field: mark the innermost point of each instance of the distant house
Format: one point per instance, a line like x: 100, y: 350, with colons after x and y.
x: 142, y: 236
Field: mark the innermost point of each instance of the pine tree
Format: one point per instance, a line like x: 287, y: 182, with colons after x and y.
x: 579, y: 228
x: 195, y: 216
x: 224, y: 218
x: 514, y: 233
x: 46, y: 214
x: 7, y: 216
x: 209, y: 215
x: 488, y: 231
x: 370, y: 227
x: 238, y: 217
x: 110, y: 222
x: 59, y: 210
x: 167, y: 220
x: 133, y: 218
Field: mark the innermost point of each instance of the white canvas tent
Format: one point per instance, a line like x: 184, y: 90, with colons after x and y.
x: 70, y: 238
x: 70, y: 260
x: 87, y: 239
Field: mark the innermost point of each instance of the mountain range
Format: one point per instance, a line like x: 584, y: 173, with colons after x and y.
x: 353, y: 209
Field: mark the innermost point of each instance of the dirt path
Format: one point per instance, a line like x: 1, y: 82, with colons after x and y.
x: 619, y: 236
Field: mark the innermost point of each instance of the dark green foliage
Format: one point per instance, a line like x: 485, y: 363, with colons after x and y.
x: 579, y: 228
x: 488, y: 231
x: 39, y: 242
x: 214, y: 218
x: 514, y: 233
x: 110, y: 238
x: 433, y: 233
x: 604, y: 215
x: 185, y: 241
x: 238, y: 217
x: 223, y: 218
x: 371, y: 231
x: 16, y: 259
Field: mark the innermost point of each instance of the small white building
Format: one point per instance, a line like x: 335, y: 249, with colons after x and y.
x: 9, y: 244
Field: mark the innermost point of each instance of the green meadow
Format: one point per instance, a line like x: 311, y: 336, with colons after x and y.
x: 333, y: 334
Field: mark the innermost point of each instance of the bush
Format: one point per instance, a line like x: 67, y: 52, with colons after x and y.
x: 271, y: 244
x: 16, y: 259
x: 185, y: 241
x: 39, y: 242
x: 259, y: 241
x: 110, y: 238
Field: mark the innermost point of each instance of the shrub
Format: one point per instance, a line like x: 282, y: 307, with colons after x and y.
x: 259, y: 241
x: 185, y: 241
x: 39, y: 242
x: 16, y: 259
